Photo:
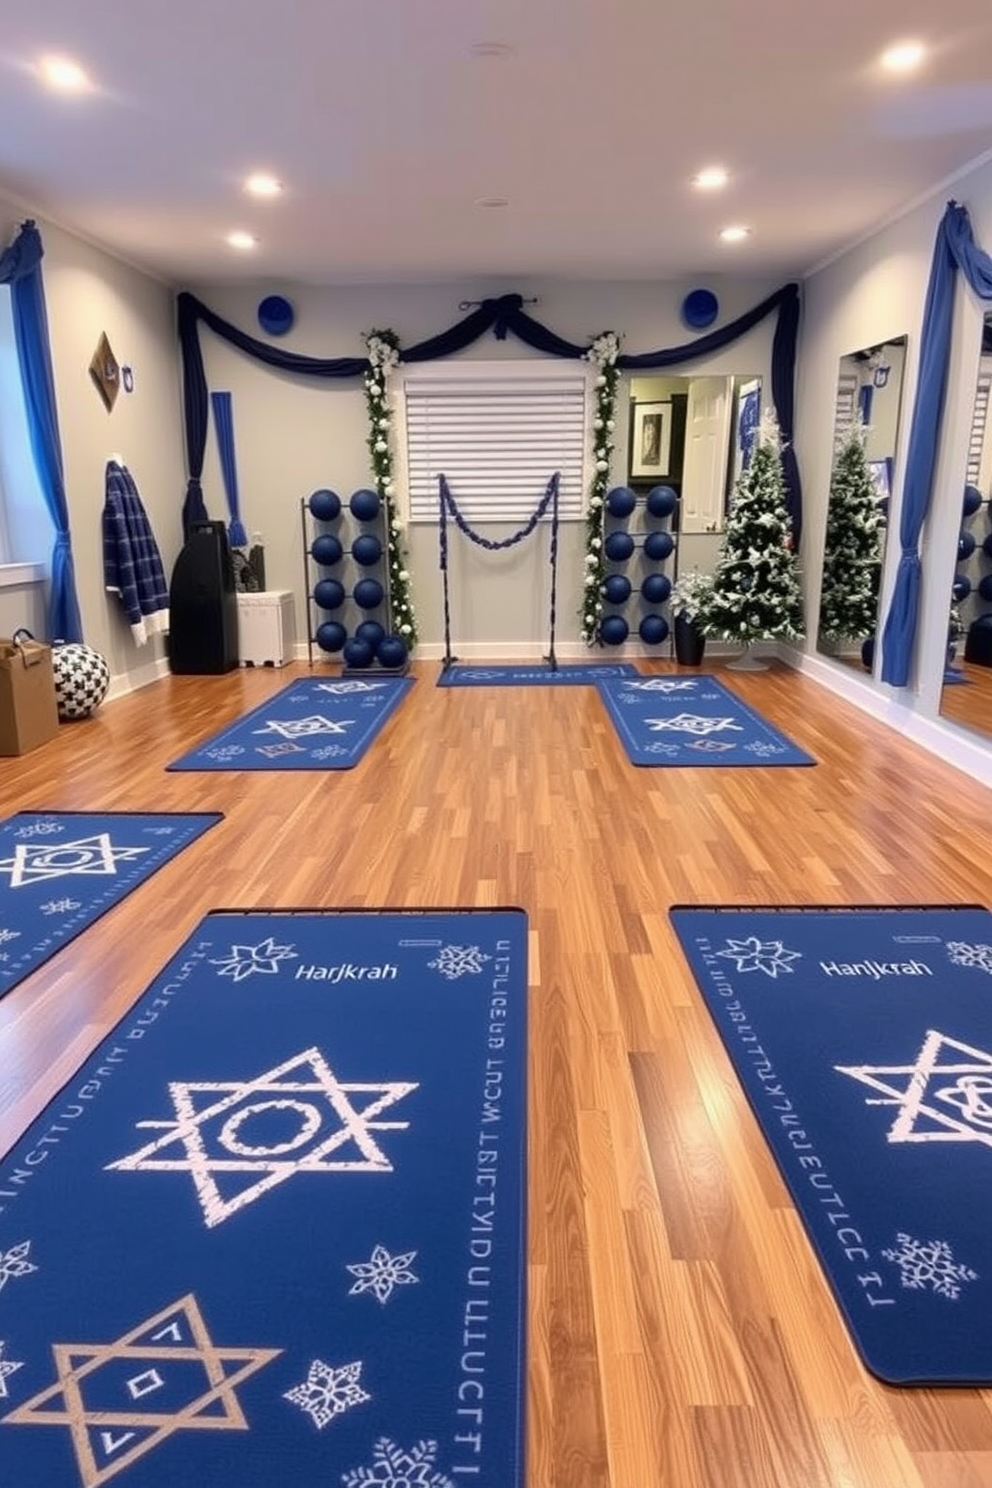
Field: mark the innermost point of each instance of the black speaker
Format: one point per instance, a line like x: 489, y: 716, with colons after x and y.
x: 203, y: 604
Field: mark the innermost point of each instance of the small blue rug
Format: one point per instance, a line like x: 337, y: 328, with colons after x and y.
x: 565, y: 675
x: 693, y: 721
x: 863, y: 1038
x: 61, y: 870
x: 310, y: 725
x: 955, y: 678
x: 273, y: 1231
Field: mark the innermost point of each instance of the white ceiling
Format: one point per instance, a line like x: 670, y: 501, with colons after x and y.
x: 387, y: 130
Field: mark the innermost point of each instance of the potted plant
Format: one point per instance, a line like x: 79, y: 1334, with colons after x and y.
x: 691, y: 597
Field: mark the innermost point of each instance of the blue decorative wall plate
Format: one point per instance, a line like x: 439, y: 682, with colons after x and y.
x: 275, y: 315
x: 700, y: 309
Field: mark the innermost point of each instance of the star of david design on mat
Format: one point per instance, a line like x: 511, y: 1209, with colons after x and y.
x: 692, y: 723
x: 339, y: 689
x: 327, y: 1392
x: 230, y: 1170
x: 946, y: 1096
x: 382, y: 1273
x: 86, y: 857
x: 160, y: 1354
x: 665, y: 684
x: 305, y: 728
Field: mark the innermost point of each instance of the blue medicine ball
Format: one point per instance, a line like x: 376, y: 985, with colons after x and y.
x: 658, y: 546
x: 961, y: 587
x: 985, y: 587
x: 656, y: 588
x: 619, y: 546
x: 661, y: 501
x: 357, y: 653
x: 366, y: 550
x: 987, y: 545
x: 326, y: 550
x: 331, y: 636
x: 966, y: 545
x: 329, y: 594
x: 653, y: 629
x: 367, y: 594
x: 868, y: 652
x: 620, y: 502
x: 614, y: 630
x: 325, y: 505
x: 617, y: 589
x: 365, y: 505
x: 371, y: 631
x: 391, y: 651
x: 972, y: 500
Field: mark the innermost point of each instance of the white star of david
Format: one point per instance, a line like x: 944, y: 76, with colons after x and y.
x: 692, y: 723
x: 340, y: 689
x: 937, y: 1102
x: 665, y: 684
x: 310, y: 1150
x: 304, y: 728
x: 94, y: 855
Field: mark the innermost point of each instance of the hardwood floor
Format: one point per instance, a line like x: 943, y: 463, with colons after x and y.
x: 681, y: 1334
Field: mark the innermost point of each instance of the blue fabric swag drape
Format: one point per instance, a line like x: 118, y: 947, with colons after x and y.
x: 502, y: 316
x: 954, y: 248
x: 20, y: 267
x: 224, y: 424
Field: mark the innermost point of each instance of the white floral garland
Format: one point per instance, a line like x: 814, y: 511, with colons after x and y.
x: 384, y: 355
x: 603, y: 353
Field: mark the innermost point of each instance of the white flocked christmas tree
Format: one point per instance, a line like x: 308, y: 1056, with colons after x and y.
x: 756, y: 590
x: 852, y: 557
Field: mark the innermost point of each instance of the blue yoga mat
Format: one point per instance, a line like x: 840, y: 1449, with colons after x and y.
x: 563, y: 675
x: 693, y: 721
x: 863, y: 1038
x: 274, y: 1229
x: 61, y: 870
x: 310, y: 725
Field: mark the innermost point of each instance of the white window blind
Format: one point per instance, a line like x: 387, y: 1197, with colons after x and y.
x: 979, y: 418
x: 498, y: 436
x: 847, y: 405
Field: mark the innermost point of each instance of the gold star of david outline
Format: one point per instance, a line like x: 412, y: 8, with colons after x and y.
x: 98, y: 853
x: 80, y: 1422
x: 912, y: 1098
x: 356, y: 1126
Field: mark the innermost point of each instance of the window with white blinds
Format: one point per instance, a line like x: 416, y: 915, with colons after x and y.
x: 979, y: 419
x: 847, y: 405
x: 498, y: 433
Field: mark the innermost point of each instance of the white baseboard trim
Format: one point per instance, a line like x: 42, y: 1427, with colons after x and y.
x: 143, y: 676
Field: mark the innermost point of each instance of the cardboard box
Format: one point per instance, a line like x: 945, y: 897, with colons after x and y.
x: 29, y: 714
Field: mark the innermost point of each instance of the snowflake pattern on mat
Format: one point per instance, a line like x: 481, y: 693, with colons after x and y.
x: 225, y: 752
x: 456, y: 961
x: 382, y: 1273
x: 670, y: 751
x: 6, y: 936
x: 14, y: 1262
x: 329, y: 751
x: 242, y: 960
x: 929, y: 1263
x: 61, y: 906
x: 40, y: 829
x: 962, y: 954
x: 159, y: 831
x: 394, y: 1468
x: 769, y: 956
x: 762, y: 749
x: 328, y: 1392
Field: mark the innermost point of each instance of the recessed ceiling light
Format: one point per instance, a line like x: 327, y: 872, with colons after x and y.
x: 711, y: 179
x: 735, y: 234
x: 491, y: 49
x: 904, y: 56
x: 493, y: 201
x: 64, y: 75
x: 242, y: 240
x: 261, y: 183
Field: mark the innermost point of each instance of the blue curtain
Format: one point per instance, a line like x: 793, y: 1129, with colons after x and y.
x: 502, y: 316
x: 224, y: 424
x: 954, y: 249
x: 20, y: 267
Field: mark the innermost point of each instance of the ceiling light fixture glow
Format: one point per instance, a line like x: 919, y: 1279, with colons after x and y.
x: 735, y: 234
x: 261, y: 183
x: 494, y: 49
x: 904, y: 56
x: 241, y: 240
x: 711, y: 179
x: 63, y: 75
x: 493, y: 201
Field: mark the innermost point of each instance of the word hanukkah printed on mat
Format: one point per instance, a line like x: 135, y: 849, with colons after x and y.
x: 309, y: 725
x: 863, y: 1038
x: 570, y: 674
x: 693, y: 721
x: 273, y: 1231
x: 61, y: 870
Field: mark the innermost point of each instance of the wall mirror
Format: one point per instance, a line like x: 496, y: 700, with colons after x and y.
x: 868, y: 402
x: 966, y: 695
x: 694, y: 434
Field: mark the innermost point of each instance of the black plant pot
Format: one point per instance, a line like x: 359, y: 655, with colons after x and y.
x: 690, y: 643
